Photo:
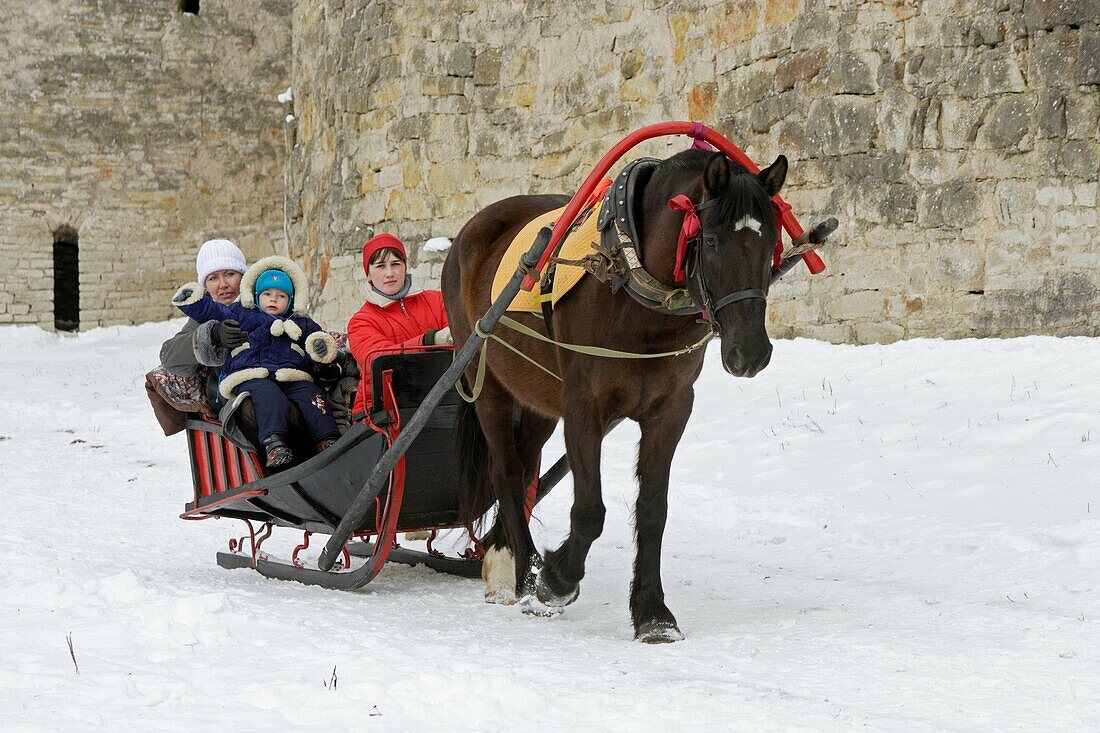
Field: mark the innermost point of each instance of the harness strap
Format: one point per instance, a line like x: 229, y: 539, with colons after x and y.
x: 739, y: 295
x: 479, y: 378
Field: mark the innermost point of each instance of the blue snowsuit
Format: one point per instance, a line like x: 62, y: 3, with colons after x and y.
x: 275, y: 364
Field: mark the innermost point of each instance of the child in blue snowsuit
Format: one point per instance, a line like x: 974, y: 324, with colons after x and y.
x: 275, y: 364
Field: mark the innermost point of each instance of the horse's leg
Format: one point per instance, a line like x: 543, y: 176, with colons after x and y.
x: 498, y: 569
x: 498, y: 566
x: 494, y: 412
x: 559, y: 581
x: 661, y: 432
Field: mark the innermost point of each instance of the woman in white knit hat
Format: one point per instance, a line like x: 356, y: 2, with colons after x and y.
x: 186, y: 358
x: 219, y: 265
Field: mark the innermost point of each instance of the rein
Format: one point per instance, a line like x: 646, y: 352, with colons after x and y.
x: 479, y: 378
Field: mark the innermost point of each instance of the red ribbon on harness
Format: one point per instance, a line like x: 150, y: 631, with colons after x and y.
x: 698, y: 133
x: 688, y: 229
x: 779, y: 208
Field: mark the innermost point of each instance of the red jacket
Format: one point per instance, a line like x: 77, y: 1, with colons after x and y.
x: 385, y: 324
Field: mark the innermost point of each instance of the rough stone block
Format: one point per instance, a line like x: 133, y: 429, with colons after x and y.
x: 439, y: 86
x: 781, y: 11
x: 1007, y: 123
x: 800, y: 67
x: 456, y: 177
x: 746, y: 86
x: 987, y: 73
x: 736, y: 23
x: 960, y: 120
x: 1085, y: 194
x: 851, y: 73
x: 1047, y: 14
x: 459, y: 60
x: 897, y: 110
x: 923, y: 30
x: 878, y: 333
x: 770, y: 110
x: 842, y: 125
x: 1088, y: 57
x: 1053, y: 59
x: 985, y: 30
x: 1082, y: 116
x: 1054, y: 196
x: 864, y: 304
x: 411, y: 128
x: 1080, y: 158
x: 487, y: 66
x: 834, y: 333
x: 1051, y: 113
x: 953, y: 205
x: 772, y: 43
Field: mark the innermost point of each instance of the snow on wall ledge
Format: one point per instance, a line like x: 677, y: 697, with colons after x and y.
x: 956, y: 142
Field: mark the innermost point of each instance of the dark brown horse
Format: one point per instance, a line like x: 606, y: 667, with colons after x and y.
x: 728, y: 270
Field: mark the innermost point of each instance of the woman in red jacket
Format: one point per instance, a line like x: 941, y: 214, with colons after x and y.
x: 392, y: 317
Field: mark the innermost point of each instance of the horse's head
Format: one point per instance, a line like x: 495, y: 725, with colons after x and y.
x: 729, y: 267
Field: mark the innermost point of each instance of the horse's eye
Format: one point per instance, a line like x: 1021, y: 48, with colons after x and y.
x: 710, y: 242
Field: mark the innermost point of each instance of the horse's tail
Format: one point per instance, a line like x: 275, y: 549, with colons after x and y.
x: 474, y: 491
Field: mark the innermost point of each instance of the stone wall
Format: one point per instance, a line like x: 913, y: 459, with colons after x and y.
x: 956, y: 140
x: 146, y: 130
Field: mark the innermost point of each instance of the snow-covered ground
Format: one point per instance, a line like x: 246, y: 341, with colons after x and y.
x: 899, y: 537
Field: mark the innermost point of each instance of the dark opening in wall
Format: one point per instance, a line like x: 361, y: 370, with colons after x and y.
x: 190, y: 6
x: 66, y: 279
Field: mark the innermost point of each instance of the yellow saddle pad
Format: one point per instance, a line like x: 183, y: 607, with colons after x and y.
x: 577, y: 245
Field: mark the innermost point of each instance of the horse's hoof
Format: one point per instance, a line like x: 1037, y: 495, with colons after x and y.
x: 658, y: 632
x: 502, y: 596
x: 552, y: 598
x: 530, y: 605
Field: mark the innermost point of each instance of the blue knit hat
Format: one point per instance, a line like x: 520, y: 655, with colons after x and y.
x: 275, y: 280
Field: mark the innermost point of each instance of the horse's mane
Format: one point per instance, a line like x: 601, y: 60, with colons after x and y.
x: 744, y: 195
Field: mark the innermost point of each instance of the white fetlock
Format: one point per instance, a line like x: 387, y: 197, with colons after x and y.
x: 498, y: 570
x: 503, y: 597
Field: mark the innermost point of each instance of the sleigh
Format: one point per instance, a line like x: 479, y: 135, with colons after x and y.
x: 395, y: 472
x: 230, y: 482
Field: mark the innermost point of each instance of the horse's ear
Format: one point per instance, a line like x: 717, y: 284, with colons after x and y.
x: 772, y: 177
x: 716, y: 176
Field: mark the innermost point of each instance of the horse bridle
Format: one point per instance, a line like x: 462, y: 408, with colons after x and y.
x: 710, y: 307
x: 617, y: 256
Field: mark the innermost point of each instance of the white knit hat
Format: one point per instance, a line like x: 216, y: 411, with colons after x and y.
x: 219, y: 254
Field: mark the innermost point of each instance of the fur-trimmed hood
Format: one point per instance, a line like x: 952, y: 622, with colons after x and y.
x: 275, y: 262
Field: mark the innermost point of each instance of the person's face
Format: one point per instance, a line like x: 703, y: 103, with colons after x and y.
x: 274, y: 301
x: 223, y: 286
x: 388, y: 274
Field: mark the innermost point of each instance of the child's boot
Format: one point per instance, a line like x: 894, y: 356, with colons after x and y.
x: 326, y: 443
x: 278, y: 453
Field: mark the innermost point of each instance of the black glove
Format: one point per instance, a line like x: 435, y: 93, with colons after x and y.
x: 228, y: 334
x: 327, y: 372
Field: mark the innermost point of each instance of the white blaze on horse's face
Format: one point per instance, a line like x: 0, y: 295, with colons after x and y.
x: 735, y: 278
x: 747, y: 222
